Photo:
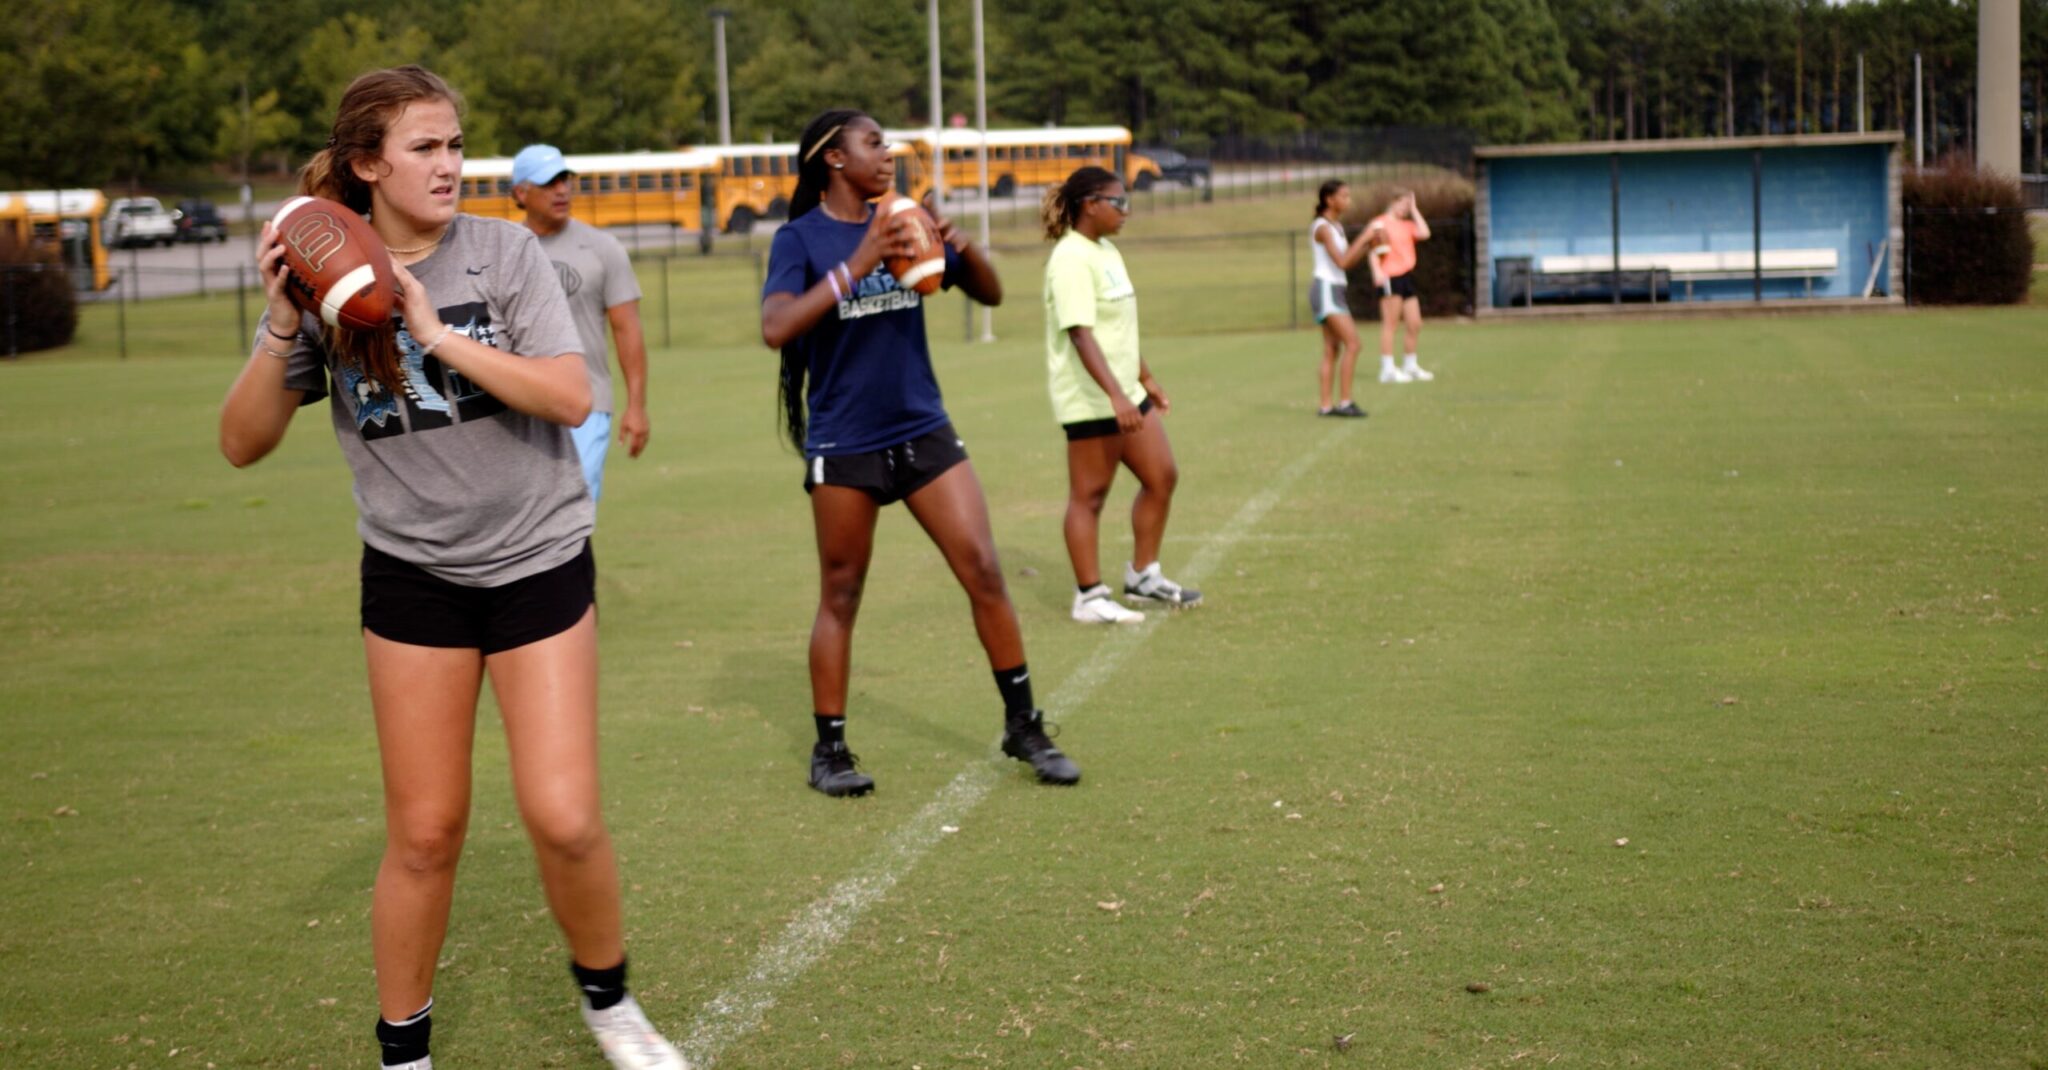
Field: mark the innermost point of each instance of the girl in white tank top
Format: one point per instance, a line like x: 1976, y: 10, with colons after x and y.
x: 1329, y: 302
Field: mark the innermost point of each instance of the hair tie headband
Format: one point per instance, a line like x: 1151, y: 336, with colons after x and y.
x: 819, y: 144
x: 330, y: 141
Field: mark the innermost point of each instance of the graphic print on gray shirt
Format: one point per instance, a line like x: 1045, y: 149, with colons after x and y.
x: 596, y: 276
x: 446, y: 476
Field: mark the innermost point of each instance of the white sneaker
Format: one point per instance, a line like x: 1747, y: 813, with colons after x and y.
x: 1151, y: 586
x: 417, y: 1064
x: 1417, y: 372
x: 1392, y: 374
x: 629, y: 1040
x: 1095, y: 606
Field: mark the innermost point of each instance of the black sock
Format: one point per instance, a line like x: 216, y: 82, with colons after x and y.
x: 831, y: 727
x: 406, y: 1041
x: 1084, y: 588
x: 603, y: 988
x: 1015, y: 684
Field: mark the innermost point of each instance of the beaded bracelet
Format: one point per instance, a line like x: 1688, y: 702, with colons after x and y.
x: 446, y: 329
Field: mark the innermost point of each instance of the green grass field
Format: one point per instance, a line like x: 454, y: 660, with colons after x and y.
x: 1684, y: 682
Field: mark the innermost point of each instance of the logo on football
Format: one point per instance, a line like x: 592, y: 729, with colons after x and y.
x: 339, y: 268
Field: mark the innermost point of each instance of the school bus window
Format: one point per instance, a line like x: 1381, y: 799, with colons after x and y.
x: 505, y: 186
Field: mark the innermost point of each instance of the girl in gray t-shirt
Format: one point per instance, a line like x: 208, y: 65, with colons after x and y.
x: 475, y: 523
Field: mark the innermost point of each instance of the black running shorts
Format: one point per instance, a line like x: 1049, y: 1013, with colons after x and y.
x: 1081, y: 429
x: 893, y: 474
x: 1399, y: 286
x: 405, y: 603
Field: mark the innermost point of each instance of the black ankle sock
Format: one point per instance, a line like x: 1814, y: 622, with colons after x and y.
x: 1084, y: 588
x: 406, y: 1041
x: 603, y: 988
x: 1015, y: 684
x: 831, y: 727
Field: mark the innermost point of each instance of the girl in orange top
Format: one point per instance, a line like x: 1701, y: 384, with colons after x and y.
x: 1393, y: 274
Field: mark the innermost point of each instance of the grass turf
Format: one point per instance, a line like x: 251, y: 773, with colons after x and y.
x: 1762, y: 597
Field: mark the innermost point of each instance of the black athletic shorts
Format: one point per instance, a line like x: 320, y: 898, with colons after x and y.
x: 405, y: 603
x: 1081, y: 429
x: 893, y: 474
x: 1399, y: 286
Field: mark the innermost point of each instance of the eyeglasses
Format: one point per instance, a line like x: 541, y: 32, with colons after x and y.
x: 1121, y: 204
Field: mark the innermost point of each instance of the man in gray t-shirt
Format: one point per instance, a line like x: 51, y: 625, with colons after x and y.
x: 601, y: 288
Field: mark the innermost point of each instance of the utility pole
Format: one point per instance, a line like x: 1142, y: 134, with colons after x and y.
x: 1998, y: 86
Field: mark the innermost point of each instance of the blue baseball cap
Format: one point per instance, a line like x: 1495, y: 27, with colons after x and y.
x: 539, y: 164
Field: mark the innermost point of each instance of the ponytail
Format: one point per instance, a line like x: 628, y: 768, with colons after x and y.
x: 1061, y: 208
x: 813, y: 178
x: 368, y: 107
x: 1323, y: 194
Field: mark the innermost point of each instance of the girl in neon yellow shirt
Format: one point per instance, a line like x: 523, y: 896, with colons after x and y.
x: 1104, y: 396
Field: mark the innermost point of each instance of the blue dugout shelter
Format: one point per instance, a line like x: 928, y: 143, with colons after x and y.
x: 1796, y: 218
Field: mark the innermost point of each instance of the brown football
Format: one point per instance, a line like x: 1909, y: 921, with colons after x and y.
x: 339, y: 268
x: 924, y: 270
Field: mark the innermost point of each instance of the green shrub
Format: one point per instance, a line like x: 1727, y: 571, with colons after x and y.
x: 1443, y: 264
x: 1967, y: 237
x: 37, y: 308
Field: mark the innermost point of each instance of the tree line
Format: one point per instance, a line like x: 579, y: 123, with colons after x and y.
x: 93, y: 92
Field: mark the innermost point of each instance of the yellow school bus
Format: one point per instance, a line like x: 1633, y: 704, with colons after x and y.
x: 65, y: 220
x: 615, y: 189
x: 1040, y: 156
x: 755, y: 182
x: 721, y: 187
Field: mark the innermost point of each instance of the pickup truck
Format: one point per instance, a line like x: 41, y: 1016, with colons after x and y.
x: 138, y: 221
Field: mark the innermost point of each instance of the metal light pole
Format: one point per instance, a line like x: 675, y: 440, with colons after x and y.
x: 938, y: 113
x: 718, y: 17
x: 988, y: 315
x: 1919, y: 137
x: 1862, y: 117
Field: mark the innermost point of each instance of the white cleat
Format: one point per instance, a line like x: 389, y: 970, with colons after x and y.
x: 1395, y: 375
x: 417, y: 1064
x: 1096, y: 606
x: 629, y: 1039
x: 1418, y: 373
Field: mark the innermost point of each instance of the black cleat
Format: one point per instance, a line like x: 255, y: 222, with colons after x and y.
x: 1024, y: 739
x: 835, y: 771
x: 1349, y: 408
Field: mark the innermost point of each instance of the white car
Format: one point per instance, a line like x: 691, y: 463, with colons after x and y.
x: 138, y: 221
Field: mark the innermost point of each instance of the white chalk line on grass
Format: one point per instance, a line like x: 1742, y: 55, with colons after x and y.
x: 821, y: 925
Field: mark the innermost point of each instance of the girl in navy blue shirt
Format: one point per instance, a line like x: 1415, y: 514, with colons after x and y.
x: 873, y: 429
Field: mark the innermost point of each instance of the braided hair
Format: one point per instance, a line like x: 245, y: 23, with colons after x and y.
x: 1061, y: 208
x: 813, y: 178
